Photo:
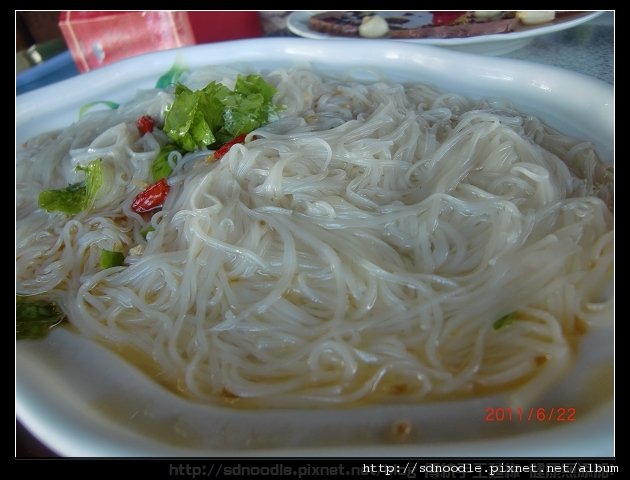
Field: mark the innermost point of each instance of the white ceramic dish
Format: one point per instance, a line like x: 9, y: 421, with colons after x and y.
x: 497, y: 44
x: 82, y: 400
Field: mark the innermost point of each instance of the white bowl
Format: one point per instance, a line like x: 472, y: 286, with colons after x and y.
x: 82, y: 400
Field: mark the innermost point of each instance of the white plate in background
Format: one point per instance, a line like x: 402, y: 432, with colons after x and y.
x: 80, y: 399
x: 494, y: 44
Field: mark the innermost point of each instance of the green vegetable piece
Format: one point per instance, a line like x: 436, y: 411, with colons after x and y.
x: 504, y: 321
x: 93, y: 179
x: 185, y: 122
x: 88, y: 106
x: 161, y: 168
x: 76, y: 197
x: 70, y: 200
x: 34, y: 317
x: 145, y: 231
x: 255, y: 84
x: 244, y: 114
x: 111, y: 259
x: 216, y: 114
x: 173, y: 74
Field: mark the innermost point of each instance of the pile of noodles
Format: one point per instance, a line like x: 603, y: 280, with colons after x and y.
x: 362, y: 247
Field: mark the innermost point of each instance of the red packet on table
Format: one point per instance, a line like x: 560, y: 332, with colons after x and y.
x: 96, y: 38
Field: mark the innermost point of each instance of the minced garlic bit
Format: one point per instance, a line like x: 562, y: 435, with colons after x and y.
x: 534, y: 17
x: 373, y: 26
x: 137, y: 250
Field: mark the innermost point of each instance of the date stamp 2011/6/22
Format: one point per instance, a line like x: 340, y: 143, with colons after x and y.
x: 531, y: 414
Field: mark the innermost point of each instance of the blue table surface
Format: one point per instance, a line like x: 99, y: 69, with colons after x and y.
x: 587, y: 48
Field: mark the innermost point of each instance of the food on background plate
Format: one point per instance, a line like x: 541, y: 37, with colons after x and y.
x: 289, y: 238
x: 437, y: 24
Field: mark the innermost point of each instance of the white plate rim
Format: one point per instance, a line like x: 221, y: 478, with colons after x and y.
x: 297, y: 23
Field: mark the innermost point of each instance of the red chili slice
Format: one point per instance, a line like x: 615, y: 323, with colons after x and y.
x: 446, y: 18
x: 223, y: 149
x: 151, y: 197
x: 145, y: 124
